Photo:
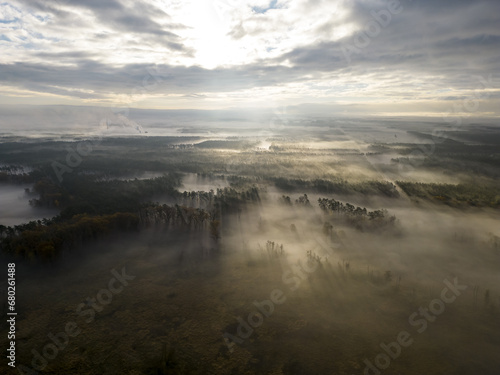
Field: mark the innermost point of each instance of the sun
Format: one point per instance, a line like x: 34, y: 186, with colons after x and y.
x: 208, y: 35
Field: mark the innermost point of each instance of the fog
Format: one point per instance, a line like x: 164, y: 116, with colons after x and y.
x: 426, y: 245
x: 15, y: 207
x: 344, y: 277
x: 188, y: 291
x: 194, y: 182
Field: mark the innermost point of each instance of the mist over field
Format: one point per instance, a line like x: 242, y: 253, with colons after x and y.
x: 282, y: 187
x: 233, y: 250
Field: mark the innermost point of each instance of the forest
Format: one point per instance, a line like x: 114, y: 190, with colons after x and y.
x: 250, y: 187
x: 301, y: 252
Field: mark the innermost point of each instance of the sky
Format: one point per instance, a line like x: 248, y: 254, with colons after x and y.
x: 388, y: 57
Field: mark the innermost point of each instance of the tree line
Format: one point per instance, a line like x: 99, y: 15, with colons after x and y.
x: 91, y: 208
x: 337, y: 186
x: 356, y: 216
x: 454, y: 195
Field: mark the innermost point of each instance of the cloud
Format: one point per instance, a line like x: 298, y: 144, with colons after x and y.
x: 425, y: 40
x: 101, y: 26
x: 138, y: 78
x: 309, y: 50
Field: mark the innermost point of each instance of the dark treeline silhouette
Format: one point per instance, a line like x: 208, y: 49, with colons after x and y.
x: 44, y: 239
x: 88, y: 194
x: 303, y: 200
x: 338, y: 186
x: 227, y: 199
x: 175, y: 215
x: 356, y: 216
x: 18, y: 175
x: 220, y: 204
x: 92, y: 207
x: 454, y: 195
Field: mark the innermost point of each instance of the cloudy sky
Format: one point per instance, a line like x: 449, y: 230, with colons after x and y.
x: 383, y: 56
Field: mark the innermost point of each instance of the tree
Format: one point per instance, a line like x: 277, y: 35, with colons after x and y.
x: 215, y: 229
